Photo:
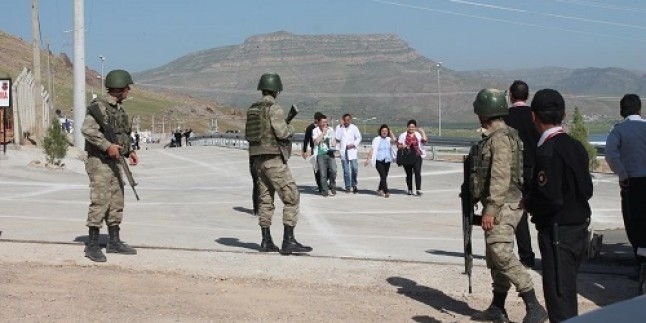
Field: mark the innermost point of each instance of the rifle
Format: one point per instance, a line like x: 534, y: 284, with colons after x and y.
x: 469, y: 218
x: 293, y: 111
x: 112, y: 137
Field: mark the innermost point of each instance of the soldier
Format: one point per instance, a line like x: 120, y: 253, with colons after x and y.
x: 497, y: 185
x: 558, y: 203
x: 102, y: 165
x: 269, y: 142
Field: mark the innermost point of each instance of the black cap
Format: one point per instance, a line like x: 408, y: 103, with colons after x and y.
x: 548, y: 100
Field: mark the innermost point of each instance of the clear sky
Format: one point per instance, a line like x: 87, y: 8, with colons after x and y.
x: 464, y: 35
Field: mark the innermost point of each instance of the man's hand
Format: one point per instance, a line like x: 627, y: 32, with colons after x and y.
x: 487, y: 222
x: 134, y: 160
x: 521, y: 204
x: 624, y: 185
x: 350, y: 146
x: 114, y: 151
x: 305, y: 154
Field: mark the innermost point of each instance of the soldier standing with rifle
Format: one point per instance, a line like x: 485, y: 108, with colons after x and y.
x: 558, y: 202
x: 269, y: 134
x: 496, y: 183
x: 107, y: 142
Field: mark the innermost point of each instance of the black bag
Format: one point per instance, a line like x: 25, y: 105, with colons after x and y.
x: 406, y: 157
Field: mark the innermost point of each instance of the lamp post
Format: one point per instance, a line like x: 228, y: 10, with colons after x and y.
x: 102, y: 58
x: 439, y: 99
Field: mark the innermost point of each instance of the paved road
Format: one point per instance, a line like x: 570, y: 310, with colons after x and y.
x: 199, y: 197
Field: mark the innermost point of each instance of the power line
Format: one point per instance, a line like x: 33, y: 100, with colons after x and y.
x: 603, y: 22
x: 502, y: 20
x: 602, y: 6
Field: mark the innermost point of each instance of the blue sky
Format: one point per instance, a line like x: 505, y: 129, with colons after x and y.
x: 464, y: 35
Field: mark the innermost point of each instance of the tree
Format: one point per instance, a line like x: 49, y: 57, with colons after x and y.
x: 55, y: 143
x: 580, y: 132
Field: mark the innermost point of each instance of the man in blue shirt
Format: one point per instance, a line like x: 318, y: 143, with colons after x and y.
x: 626, y: 156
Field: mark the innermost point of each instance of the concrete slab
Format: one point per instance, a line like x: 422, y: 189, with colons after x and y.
x: 199, y: 197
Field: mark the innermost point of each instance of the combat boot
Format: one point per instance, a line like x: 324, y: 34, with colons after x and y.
x: 495, y: 312
x: 290, y: 244
x: 92, y: 248
x: 115, y: 245
x: 536, y: 313
x: 267, y: 244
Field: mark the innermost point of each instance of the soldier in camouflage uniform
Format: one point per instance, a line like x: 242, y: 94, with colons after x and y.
x: 103, y: 164
x: 270, y: 146
x: 497, y: 185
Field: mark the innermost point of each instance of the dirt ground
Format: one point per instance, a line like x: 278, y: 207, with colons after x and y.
x: 207, y: 286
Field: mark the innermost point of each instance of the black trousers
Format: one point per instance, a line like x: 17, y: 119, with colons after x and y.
x: 255, y: 195
x: 383, y: 168
x: 571, y: 249
x: 317, y: 177
x: 523, y: 237
x: 633, y: 208
x: 417, y: 168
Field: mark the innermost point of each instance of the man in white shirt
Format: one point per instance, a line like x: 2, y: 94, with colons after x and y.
x: 626, y: 156
x: 349, y: 138
x: 324, y: 141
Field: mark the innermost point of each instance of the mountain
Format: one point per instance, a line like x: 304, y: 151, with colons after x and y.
x: 373, y: 75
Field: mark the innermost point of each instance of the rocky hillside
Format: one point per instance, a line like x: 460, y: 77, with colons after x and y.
x: 370, y: 76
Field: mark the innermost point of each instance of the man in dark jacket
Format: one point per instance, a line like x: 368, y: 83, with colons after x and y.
x: 308, y: 141
x: 520, y: 118
x: 558, y: 203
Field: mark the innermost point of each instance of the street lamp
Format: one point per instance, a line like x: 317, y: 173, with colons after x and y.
x: 439, y: 99
x: 102, y: 58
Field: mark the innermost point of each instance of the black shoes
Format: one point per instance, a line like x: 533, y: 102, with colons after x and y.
x: 115, y: 245
x: 93, y: 249
x: 267, y: 244
x: 355, y: 190
x: 290, y: 245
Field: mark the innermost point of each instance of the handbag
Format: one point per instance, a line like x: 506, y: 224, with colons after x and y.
x: 406, y: 157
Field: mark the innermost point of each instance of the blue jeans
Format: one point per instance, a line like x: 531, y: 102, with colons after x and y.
x: 350, y: 169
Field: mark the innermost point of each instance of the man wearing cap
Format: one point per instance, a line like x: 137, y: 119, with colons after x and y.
x: 626, y: 156
x: 520, y: 118
x: 558, y: 203
x: 308, y: 141
x: 269, y: 138
x: 496, y: 183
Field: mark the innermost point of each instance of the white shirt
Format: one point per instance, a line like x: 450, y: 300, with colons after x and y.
x: 346, y: 136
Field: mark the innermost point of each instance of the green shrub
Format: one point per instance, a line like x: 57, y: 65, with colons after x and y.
x: 579, y: 131
x: 55, y: 143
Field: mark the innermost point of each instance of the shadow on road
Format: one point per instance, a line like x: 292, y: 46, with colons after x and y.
x: 431, y: 297
x: 425, y: 319
x: 451, y: 254
x: 235, y: 242
x: 103, y: 239
x: 243, y: 210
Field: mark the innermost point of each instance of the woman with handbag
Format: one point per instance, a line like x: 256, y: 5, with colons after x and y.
x: 381, y: 155
x: 411, y: 153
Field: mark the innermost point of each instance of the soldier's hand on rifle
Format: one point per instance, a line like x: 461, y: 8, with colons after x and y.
x: 114, y: 151
x: 487, y: 222
x: 134, y: 160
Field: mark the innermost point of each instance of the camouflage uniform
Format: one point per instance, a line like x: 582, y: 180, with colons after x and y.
x: 106, y: 184
x: 271, y: 163
x: 500, y: 154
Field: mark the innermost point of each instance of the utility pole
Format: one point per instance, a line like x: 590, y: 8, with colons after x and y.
x: 50, y: 77
x: 79, y: 73
x: 38, y: 97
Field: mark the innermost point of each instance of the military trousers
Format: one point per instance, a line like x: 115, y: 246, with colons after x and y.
x: 106, y: 192
x: 274, y: 177
x: 505, y: 267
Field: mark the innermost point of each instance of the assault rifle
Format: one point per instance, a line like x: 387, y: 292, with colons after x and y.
x: 469, y: 218
x: 291, y: 114
x: 109, y: 134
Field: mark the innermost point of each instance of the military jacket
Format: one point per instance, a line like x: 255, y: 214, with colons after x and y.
x: 498, y: 168
x: 266, y: 129
x: 116, y: 117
